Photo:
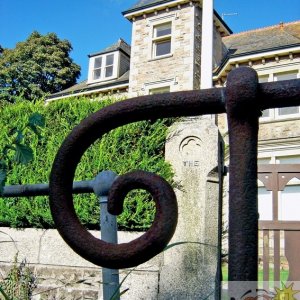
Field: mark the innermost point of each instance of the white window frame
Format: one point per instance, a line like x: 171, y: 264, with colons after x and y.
x: 267, y: 76
x: 277, y: 115
x: 148, y: 86
x: 115, y: 65
x: 154, y: 23
x: 274, y: 112
x: 166, y: 38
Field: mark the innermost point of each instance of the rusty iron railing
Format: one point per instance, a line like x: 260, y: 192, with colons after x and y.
x: 243, y: 100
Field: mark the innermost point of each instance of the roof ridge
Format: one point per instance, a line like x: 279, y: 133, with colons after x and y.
x: 281, y: 24
x: 119, y: 44
x: 121, y: 40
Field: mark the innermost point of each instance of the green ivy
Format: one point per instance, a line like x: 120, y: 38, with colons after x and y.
x: 135, y: 146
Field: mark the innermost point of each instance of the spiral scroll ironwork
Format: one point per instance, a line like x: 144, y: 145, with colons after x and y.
x: 191, y: 103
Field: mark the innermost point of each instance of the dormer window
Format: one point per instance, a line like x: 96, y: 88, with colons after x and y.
x: 161, y: 41
x: 103, y: 67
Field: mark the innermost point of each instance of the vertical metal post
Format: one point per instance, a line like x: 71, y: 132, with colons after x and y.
x: 108, y: 225
x: 222, y: 171
x: 243, y: 113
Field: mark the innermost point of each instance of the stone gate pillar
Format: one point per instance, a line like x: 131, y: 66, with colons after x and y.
x: 194, y: 148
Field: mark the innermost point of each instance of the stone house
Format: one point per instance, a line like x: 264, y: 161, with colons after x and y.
x: 274, y: 52
x: 165, y: 56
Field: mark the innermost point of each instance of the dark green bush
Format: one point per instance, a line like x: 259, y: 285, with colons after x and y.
x: 134, y: 146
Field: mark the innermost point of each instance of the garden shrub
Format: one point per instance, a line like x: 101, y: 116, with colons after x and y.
x: 135, y: 146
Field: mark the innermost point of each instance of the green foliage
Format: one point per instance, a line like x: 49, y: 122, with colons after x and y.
x: 15, y: 151
x: 19, y: 283
x: 36, y: 67
x: 135, y: 146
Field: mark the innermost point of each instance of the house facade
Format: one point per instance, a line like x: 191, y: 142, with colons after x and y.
x: 165, y: 52
x: 274, y: 52
x: 166, y: 46
x: 165, y: 56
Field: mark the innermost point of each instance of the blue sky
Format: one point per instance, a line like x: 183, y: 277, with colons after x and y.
x: 91, y: 25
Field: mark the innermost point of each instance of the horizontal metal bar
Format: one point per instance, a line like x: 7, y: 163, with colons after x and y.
x: 279, y: 94
x: 42, y: 189
x: 203, y: 102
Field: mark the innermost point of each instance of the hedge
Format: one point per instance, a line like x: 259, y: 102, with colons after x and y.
x: 135, y: 146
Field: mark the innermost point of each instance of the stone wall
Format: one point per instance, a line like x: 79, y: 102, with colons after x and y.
x: 280, y: 129
x: 62, y: 274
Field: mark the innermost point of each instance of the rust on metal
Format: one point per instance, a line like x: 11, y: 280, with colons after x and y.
x: 244, y: 98
x: 157, y: 237
x: 243, y: 111
x: 126, y: 255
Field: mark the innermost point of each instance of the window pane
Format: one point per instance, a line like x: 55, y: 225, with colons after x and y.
x: 165, y: 89
x: 109, y: 59
x: 266, y: 113
x: 163, y: 48
x: 289, y: 200
x: 162, y: 30
x: 97, y: 74
x: 263, y: 78
x: 288, y: 110
x: 295, y: 159
x: 264, y: 204
x: 285, y: 76
x: 264, y: 161
x: 109, y: 71
x: 97, y: 62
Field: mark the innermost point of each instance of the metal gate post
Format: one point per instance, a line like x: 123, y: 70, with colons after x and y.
x: 243, y: 113
x: 109, y: 231
x: 108, y: 223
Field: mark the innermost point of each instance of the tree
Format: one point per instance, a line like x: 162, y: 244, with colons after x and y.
x: 39, y: 66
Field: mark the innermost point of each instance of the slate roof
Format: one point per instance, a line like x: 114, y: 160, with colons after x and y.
x: 83, y: 86
x: 119, y: 45
x: 258, y: 40
x: 144, y: 4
